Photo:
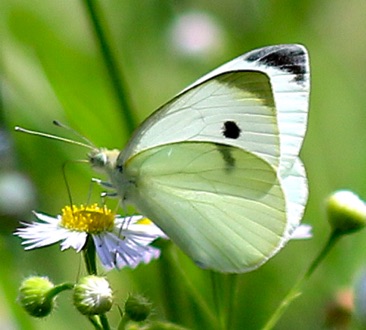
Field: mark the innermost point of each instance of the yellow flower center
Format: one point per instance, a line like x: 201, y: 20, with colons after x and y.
x: 91, y: 219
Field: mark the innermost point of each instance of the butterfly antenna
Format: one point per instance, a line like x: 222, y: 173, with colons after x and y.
x: 59, y: 124
x: 88, y: 145
x: 67, y: 186
x: 91, y: 186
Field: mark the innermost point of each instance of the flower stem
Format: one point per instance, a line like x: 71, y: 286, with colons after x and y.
x: 217, y: 293
x: 94, y: 320
x: 171, y: 262
x: 89, y: 256
x: 332, y: 240
x: 118, y: 84
x: 199, y: 300
x: 104, y: 322
x: 295, y: 291
x: 224, y: 288
x: 59, y: 288
x: 231, y: 296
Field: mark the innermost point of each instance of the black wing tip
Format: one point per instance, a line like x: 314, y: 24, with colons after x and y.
x: 291, y: 58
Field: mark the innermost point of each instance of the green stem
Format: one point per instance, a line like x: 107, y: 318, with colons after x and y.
x: 168, y: 276
x: 333, y: 239
x: 217, y: 292
x: 295, y: 291
x: 94, y: 320
x: 224, y: 290
x: 123, y: 323
x: 231, y: 296
x: 195, y: 294
x: 118, y: 84
x: 59, y: 288
x: 89, y: 256
x: 199, y: 300
x: 104, y: 321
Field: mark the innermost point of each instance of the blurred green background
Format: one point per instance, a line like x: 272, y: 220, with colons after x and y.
x: 51, y: 68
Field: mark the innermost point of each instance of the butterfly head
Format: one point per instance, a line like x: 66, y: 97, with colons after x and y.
x: 103, y: 159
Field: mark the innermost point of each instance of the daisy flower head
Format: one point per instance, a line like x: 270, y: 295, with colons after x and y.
x: 119, y: 241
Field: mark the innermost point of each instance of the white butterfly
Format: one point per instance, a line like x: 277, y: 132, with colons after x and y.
x: 217, y: 167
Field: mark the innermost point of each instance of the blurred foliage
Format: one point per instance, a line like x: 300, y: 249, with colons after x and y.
x: 51, y: 68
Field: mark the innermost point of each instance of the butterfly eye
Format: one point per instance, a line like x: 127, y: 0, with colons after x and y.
x: 97, y: 159
x: 119, y: 168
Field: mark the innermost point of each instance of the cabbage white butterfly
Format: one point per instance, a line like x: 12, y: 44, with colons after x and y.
x: 217, y: 167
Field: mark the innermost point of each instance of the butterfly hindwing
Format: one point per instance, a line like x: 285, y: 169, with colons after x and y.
x: 222, y: 205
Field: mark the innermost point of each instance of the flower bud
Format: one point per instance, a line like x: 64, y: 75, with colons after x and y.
x: 93, y: 295
x: 346, y: 212
x: 137, y: 308
x: 34, y: 296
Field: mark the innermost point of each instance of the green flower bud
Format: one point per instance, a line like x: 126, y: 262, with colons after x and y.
x: 93, y: 295
x: 346, y: 212
x: 34, y: 296
x: 137, y: 308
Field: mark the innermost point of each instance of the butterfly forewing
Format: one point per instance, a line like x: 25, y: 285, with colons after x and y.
x: 295, y: 188
x: 235, y: 109
x: 287, y: 67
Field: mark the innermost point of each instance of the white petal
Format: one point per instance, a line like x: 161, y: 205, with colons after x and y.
x: 74, y: 239
x: 38, y: 234
x: 47, y: 232
x: 47, y: 218
x: 302, y: 232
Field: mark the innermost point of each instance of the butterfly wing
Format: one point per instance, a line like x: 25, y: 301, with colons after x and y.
x: 255, y: 106
x: 222, y: 205
x: 233, y: 108
x: 287, y: 67
x: 287, y: 70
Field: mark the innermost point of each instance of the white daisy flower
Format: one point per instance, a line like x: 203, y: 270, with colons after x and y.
x: 119, y: 241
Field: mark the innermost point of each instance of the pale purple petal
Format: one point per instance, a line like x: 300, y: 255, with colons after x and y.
x: 302, y: 231
x: 105, y: 251
x: 130, y: 226
x: 118, y: 252
x: 132, y: 260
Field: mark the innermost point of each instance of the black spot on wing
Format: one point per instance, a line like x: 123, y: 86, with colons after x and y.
x: 231, y: 130
x: 227, y: 156
x: 289, y: 58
